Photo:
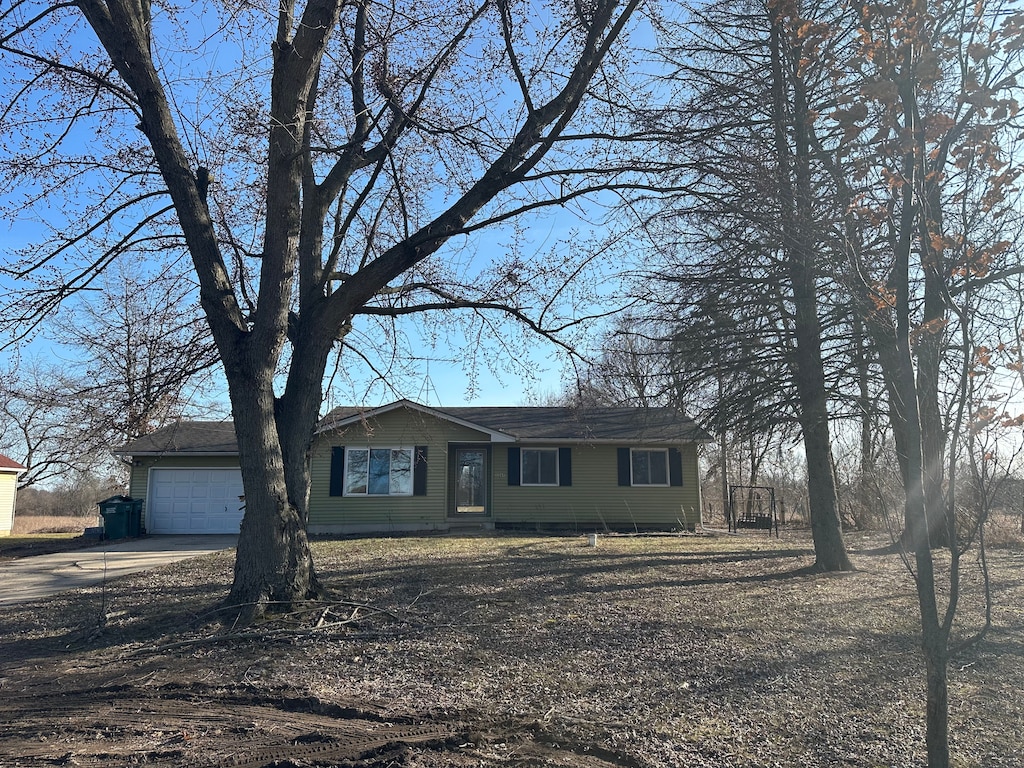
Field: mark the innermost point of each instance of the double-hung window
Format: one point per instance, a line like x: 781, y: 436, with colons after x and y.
x: 540, y: 466
x: 649, y: 466
x: 378, y: 472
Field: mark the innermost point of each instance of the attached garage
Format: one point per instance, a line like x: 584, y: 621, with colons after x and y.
x: 194, y: 501
x: 188, y: 477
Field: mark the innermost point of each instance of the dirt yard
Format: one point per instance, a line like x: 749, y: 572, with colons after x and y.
x: 513, y: 651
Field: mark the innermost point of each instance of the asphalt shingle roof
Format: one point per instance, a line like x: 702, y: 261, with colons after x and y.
x: 557, y: 423
x: 204, y: 437
x: 633, y: 425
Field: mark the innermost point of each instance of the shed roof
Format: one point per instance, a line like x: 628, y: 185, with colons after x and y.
x: 10, y: 465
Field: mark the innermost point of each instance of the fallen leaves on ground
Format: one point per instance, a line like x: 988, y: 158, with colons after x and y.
x: 695, y: 651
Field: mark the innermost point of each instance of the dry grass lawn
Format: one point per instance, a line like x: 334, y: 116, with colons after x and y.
x: 696, y: 651
x: 26, y: 525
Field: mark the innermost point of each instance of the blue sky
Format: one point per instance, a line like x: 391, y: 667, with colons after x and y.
x: 440, y: 374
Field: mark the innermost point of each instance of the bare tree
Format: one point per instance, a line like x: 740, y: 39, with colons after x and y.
x: 894, y: 209
x: 631, y: 368
x: 140, y: 352
x: 45, y: 425
x: 926, y: 184
x: 752, y: 78
x: 134, y: 359
x: 315, y: 181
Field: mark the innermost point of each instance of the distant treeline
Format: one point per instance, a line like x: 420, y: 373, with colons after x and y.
x: 73, y: 499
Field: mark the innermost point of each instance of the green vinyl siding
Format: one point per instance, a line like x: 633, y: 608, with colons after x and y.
x: 595, y: 498
x: 400, y: 428
x: 138, y: 479
x: 588, y: 495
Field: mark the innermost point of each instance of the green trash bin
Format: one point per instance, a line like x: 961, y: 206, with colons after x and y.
x: 135, y: 517
x: 121, y: 517
x: 115, y: 523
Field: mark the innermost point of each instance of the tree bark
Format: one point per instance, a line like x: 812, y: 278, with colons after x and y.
x: 796, y: 222
x: 273, y: 565
x: 913, y: 397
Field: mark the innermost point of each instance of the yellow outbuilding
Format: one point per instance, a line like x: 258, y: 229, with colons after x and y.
x: 9, y: 472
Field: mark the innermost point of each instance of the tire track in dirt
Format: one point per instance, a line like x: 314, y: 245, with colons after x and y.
x: 198, y: 727
x: 211, y: 729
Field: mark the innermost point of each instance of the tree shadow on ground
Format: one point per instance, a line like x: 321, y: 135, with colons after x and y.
x: 588, y: 641
x: 124, y: 610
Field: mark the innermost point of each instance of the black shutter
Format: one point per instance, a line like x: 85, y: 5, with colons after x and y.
x: 675, y: 466
x: 624, y: 473
x: 337, y: 471
x: 565, y: 466
x: 419, y: 471
x: 513, y: 465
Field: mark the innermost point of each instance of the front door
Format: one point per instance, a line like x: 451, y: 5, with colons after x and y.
x: 471, y: 481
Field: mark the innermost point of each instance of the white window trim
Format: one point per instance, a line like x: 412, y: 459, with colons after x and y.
x: 368, y: 449
x: 668, y: 469
x: 522, y: 467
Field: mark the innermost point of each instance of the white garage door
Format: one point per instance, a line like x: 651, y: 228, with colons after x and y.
x: 194, y: 501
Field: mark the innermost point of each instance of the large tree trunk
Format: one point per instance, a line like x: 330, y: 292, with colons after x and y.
x: 275, y: 439
x: 298, y: 409
x: 273, y: 565
x: 796, y: 222
x: 826, y: 527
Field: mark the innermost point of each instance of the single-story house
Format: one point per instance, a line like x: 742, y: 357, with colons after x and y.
x: 9, y: 472
x: 411, y: 467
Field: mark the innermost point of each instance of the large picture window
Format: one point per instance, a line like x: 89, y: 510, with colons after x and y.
x: 649, y: 466
x: 540, y: 466
x: 378, y: 472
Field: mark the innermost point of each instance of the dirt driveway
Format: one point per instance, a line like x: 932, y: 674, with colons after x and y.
x: 32, y: 578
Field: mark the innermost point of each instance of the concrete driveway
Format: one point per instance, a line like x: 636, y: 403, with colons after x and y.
x: 31, y: 578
